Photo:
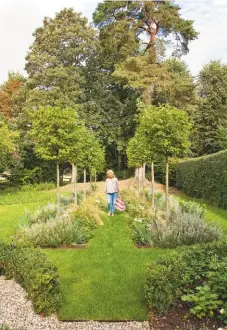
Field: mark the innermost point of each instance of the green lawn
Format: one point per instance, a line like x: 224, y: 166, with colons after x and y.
x: 105, y: 281
x: 13, y: 206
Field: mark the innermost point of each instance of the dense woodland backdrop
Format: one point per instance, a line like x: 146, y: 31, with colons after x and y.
x: 129, y: 58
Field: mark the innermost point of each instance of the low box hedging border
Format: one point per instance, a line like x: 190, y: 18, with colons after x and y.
x: 35, y: 273
x: 204, y: 177
x: 166, y: 278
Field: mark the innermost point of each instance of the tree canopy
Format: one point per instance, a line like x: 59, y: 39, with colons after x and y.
x: 122, y: 24
x: 56, y: 59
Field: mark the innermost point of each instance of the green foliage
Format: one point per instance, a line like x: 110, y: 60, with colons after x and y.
x: 30, y: 169
x: 185, y: 226
x: 121, y: 23
x: 124, y: 174
x: 192, y: 208
x: 166, y: 129
x: 31, y: 268
x: 204, y: 178
x: 8, y: 140
x: 217, y: 278
x: 144, y: 74
x: 109, y: 109
x: 66, y: 200
x: 137, y: 207
x: 137, y: 151
x: 164, y: 281
x: 87, y: 151
x: 210, y: 119
x: 54, y: 130
x: 168, y: 278
x: 207, y: 299
x: 204, y: 300
x: 56, y: 60
x: 179, y: 91
x: 140, y: 234
x: 223, y: 313
x: 183, y: 229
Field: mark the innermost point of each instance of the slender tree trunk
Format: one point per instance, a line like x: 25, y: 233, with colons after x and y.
x: 152, y: 183
x: 95, y: 177
x: 139, y: 180
x: 144, y: 171
x: 167, y: 188
x: 58, y: 188
x: 85, y: 184
x: 119, y: 160
x: 73, y: 174
x: 90, y: 180
x: 75, y: 184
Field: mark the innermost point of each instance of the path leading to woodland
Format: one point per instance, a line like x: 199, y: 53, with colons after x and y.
x: 124, y: 184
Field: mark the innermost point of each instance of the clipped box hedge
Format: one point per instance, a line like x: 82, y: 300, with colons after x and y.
x: 34, y: 272
x: 205, y: 177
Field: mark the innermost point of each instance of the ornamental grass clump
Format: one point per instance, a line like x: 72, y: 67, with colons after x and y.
x: 91, y: 210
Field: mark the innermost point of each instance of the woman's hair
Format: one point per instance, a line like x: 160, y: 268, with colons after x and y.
x: 110, y: 174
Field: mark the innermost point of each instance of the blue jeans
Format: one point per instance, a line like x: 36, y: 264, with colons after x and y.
x: 111, y: 200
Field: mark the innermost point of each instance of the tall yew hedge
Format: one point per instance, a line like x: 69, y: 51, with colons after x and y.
x: 205, y: 177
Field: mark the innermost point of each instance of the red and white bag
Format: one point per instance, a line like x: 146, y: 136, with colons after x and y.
x: 120, y: 205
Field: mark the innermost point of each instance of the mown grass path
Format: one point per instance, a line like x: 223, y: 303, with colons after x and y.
x: 105, y: 281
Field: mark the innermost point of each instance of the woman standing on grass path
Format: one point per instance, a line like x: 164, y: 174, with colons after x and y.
x: 111, y: 189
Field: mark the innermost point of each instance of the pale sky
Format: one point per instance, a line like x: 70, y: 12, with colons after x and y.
x: 19, y: 19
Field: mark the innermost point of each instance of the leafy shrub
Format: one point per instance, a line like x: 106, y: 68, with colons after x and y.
x: 207, y: 298
x: 141, y: 235
x: 164, y: 281
x: 193, y: 208
x: 204, y: 300
x: 35, y: 273
x: 205, y: 177
x: 56, y: 232
x: 168, y: 278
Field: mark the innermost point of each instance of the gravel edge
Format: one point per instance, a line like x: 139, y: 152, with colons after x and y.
x: 16, y: 311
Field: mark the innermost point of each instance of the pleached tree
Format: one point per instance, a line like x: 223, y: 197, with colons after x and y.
x: 167, y: 129
x: 54, y: 131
